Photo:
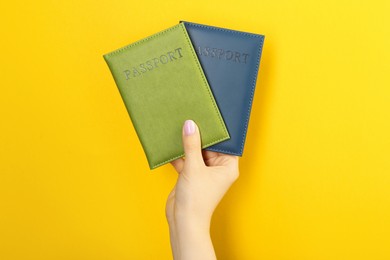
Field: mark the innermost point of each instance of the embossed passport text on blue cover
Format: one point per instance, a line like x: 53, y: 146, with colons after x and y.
x: 230, y: 60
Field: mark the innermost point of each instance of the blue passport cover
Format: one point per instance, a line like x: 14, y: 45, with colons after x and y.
x: 230, y: 60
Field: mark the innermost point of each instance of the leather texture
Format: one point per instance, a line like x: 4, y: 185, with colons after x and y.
x: 230, y: 60
x: 162, y: 85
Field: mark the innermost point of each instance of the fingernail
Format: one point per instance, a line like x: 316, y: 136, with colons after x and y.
x: 189, y: 127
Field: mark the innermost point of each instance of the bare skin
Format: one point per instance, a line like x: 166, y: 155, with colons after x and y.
x: 204, y: 178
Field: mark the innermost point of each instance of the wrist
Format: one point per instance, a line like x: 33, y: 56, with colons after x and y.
x: 192, y: 220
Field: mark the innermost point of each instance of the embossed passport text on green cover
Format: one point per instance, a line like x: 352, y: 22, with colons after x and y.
x: 162, y: 85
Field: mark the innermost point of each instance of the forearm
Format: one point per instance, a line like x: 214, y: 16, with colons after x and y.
x: 190, y: 239
x: 173, y: 240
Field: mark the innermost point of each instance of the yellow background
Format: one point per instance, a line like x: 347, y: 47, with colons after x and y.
x: 315, y: 176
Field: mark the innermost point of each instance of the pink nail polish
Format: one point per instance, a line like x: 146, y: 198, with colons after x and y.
x: 189, y: 127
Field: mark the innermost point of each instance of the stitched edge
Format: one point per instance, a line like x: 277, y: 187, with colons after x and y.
x: 224, y: 29
x: 258, y: 56
x: 223, y: 151
x: 202, y: 75
x: 252, y: 93
x: 181, y: 155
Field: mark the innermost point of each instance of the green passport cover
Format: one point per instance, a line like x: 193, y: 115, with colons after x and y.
x: 162, y: 85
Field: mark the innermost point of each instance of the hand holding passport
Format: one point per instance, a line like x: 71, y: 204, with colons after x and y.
x: 189, y: 71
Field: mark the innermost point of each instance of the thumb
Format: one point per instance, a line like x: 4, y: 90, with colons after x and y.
x: 192, y: 142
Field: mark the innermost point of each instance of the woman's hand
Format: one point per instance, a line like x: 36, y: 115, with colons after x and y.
x: 204, y: 178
